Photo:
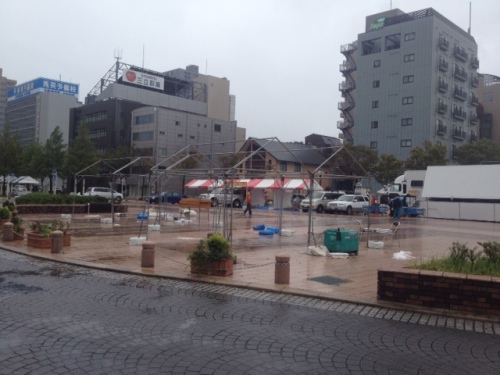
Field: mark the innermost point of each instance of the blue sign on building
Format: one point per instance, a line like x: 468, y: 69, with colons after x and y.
x: 42, y: 85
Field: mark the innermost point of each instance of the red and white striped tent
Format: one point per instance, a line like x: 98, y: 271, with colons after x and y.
x: 257, y: 183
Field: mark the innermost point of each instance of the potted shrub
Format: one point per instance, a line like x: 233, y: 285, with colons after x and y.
x: 39, y: 235
x: 4, y: 215
x: 212, y: 256
x: 18, y: 226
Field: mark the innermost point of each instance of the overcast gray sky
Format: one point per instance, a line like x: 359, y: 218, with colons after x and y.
x: 282, y: 57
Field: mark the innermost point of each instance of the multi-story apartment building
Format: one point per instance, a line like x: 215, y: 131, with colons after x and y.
x: 410, y: 77
x: 36, y: 108
x: 5, y: 85
x: 489, y: 108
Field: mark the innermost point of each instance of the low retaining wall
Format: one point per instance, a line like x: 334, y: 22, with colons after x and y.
x: 441, y: 290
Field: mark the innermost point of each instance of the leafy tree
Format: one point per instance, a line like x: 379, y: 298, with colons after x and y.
x: 430, y: 154
x: 80, y: 155
x: 53, y: 153
x: 10, y: 154
x: 356, y: 160
x: 388, y: 168
x: 32, y: 160
x: 478, y: 152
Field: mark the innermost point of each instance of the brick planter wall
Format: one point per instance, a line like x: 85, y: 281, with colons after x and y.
x: 442, y: 290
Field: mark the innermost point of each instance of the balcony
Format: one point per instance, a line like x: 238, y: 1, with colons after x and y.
x: 344, y: 125
x: 473, y: 118
x: 347, y: 86
x: 474, y: 63
x: 441, y: 129
x: 444, y: 65
x: 442, y: 108
x: 344, y: 106
x: 460, y: 94
x: 460, y: 74
x: 474, y: 100
x: 473, y: 136
x: 443, y: 43
x: 349, y: 48
x: 347, y: 67
x: 459, y: 134
x: 459, y: 114
x: 474, y: 80
x: 442, y: 87
x: 460, y: 54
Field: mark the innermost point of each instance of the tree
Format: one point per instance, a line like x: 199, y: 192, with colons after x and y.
x: 430, y: 154
x: 32, y: 160
x: 478, y: 152
x: 53, y: 154
x: 388, y: 168
x: 357, y: 160
x: 80, y: 155
x: 10, y: 155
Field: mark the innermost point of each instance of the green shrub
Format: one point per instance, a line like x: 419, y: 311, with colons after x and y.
x: 215, y: 247
x: 46, y: 198
x: 462, y: 259
x: 4, y: 213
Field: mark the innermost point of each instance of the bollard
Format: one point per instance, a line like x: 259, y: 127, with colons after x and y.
x: 148, y: 254
x: 57, y: 242
x: 282, y: 269
x: 8, y: 231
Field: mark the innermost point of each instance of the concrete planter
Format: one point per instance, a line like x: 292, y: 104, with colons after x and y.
x: 39, y: 240
x: 221, y: 267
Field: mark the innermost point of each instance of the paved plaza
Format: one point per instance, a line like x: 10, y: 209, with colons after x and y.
x: 107, y: 246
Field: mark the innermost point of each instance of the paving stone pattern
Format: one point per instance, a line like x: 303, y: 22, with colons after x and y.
x: 62, y: 319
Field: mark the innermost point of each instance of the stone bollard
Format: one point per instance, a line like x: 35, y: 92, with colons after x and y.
x: 148, y: 254
x: 8, y: 231
x: 57, y: 242
x: 282, y: 269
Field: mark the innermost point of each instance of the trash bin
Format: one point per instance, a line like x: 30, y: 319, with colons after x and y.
x: 341, y: 240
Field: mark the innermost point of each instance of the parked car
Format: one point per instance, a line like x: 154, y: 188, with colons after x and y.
x: 166, y: 196
x: 105, y: 192
x: 319, y: 200
x: 348, y: 203
x: 225, y: 196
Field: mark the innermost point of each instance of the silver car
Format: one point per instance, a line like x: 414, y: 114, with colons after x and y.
x: 348, y: 203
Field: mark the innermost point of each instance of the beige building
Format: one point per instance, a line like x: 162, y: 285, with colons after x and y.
x: 5, y: 84
x: 489, y: 108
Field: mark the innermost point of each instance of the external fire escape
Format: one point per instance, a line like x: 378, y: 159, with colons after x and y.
x: 346, y: 87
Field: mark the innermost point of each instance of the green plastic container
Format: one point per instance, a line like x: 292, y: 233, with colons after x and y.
x: 341, y: 240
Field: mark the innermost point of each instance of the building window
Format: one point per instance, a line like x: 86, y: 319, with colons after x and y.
x: 376, y: 84
x: 373, y: 145
x: 98, y: 133
x: 488, y: 96
x: 375, y: 104
x: 406, y: 121
x: 217, y: 128
x: 297, y: 167
x: 409, y: 36
x: 144, y: 119
x: 179, y: 135
x: 143, y: 151
x: 408, y: 79
x: 392, y: 42
x: 93, y: 117
x: 409, y: 57
x: 177, y: 123
x: 162, y: 152
x: 283, y: 165
x: 371, y: 46
x: 143, y: 136
x: 376, y: 64
x: 374, y: 124
x: 191, y: 137
x: 408, y: 100
x: 406, y: 143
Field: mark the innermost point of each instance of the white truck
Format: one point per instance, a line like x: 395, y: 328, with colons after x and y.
x: 410, y: 183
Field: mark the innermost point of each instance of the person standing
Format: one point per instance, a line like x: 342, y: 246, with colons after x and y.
x: 248, y: 199
x: 396, y: 204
